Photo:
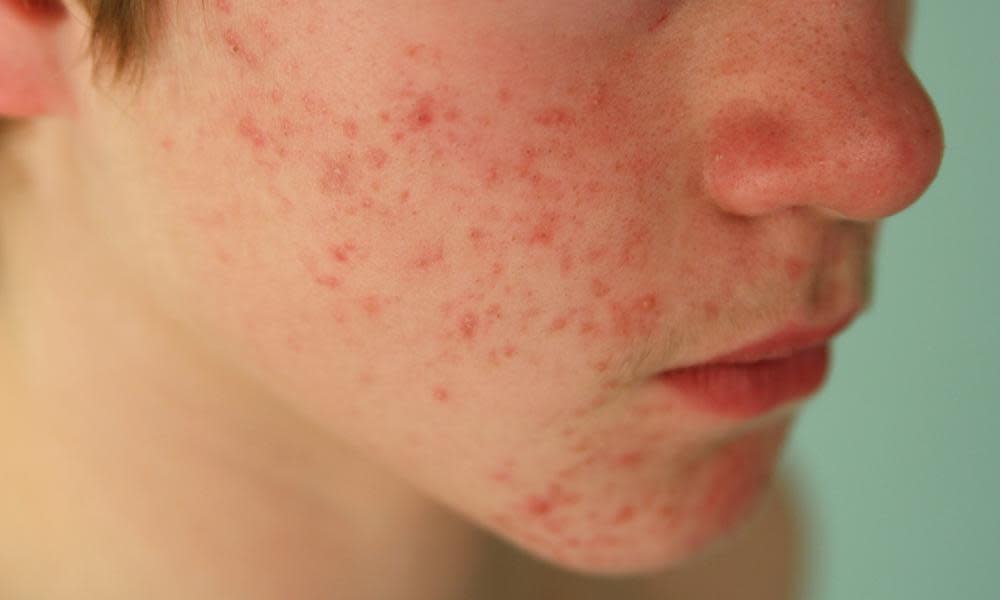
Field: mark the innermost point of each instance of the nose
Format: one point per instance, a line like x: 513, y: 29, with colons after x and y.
x: 828, y: 114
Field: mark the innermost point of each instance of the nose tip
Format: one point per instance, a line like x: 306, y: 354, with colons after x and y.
x: 863, y: 156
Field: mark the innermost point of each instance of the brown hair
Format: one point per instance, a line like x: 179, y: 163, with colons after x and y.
x: 122, y: 31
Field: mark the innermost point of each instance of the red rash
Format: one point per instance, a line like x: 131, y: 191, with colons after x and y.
x: 496, y: 211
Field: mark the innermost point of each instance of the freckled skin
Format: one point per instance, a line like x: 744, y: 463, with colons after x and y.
x: 479, y: 252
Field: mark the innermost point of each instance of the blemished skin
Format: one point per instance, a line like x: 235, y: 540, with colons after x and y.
x: 340, y: 285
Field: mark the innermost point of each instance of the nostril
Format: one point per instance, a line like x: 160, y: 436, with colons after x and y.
x: 860, y: 165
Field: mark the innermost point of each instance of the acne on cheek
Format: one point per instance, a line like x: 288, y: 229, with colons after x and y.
x: 518, y: 144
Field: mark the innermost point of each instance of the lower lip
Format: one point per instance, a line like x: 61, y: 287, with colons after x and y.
x: 750, y: 389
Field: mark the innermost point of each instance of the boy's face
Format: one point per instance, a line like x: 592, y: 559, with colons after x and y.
x: 464, y: 236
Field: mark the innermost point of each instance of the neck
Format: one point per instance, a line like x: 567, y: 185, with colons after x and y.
x: 142, y: 464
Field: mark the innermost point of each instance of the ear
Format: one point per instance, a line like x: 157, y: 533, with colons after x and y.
x: 32, y: 79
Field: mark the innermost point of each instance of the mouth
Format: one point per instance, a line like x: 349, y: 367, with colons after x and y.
x: 787, y: 342
x: 758, y: 377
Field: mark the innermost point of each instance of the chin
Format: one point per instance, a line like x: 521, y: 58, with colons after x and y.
x: 655, y: 550
x: 664, y: 527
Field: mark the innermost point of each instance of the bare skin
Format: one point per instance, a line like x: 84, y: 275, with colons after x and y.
x: 337, y: 296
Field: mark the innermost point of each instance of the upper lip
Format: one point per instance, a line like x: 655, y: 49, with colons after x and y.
x: 786, y: 342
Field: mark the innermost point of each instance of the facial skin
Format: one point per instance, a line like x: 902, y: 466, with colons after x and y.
x: 458, y: 239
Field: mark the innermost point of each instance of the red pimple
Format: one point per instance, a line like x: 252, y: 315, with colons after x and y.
x: 794, y: 268
x: 167, y: 143
x: 342, y: 252
x: 422, y: 114
x: 630, y: 459
x: 504, y: 96
x: 558, y: 324
x: 441, y: 394
x: 468, y: 324
x: 544, y: 231
x: 248, y: 129
x: 371, y: 305
x: 538, y: 506
x: 224, y: 6
x: 350, y: 128
x: 624, y: 515
x: 476, y: 234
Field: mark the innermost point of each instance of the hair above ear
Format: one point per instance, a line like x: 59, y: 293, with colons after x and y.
x: 32, y: 81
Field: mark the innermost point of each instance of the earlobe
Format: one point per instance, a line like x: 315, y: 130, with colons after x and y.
x: 32, y: 79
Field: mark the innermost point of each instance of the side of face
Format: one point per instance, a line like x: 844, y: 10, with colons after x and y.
x: 462, y: 236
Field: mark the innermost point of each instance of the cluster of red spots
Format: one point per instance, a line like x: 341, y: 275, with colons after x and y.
x: 429, y: 255
x: 249, y: 130
x: 556, y: 116
x: 234, y: 41
x: 554, y: 498
x: 636, y: 317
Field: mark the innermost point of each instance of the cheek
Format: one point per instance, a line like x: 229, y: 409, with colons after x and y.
x: 463, y: 254
x: 481, y: 207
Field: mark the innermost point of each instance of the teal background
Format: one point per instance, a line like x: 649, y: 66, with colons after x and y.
x: 896, y: 462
